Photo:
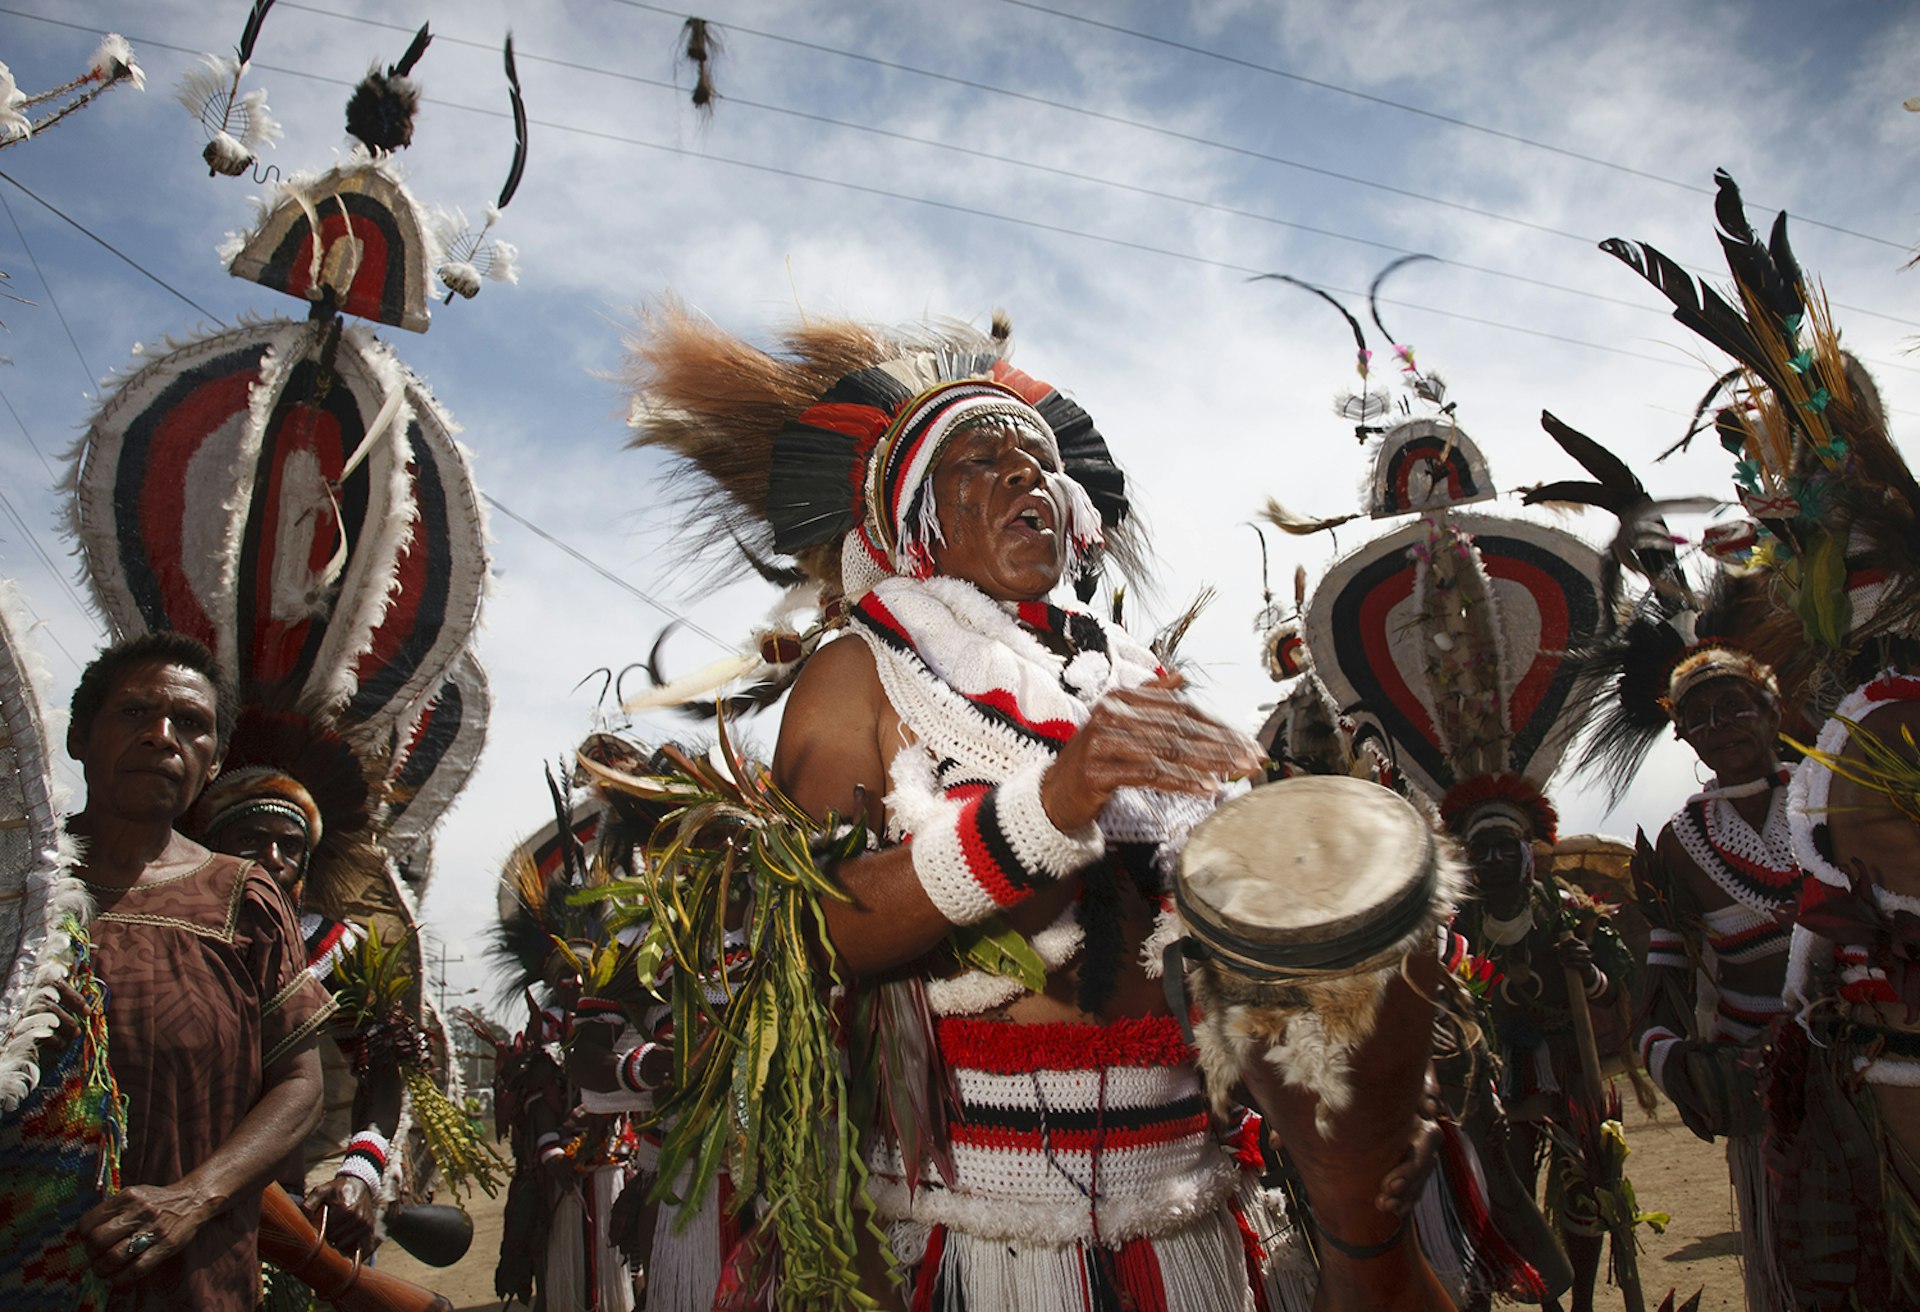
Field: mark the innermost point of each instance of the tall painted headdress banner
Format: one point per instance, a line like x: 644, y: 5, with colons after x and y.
x: 1453, y: 636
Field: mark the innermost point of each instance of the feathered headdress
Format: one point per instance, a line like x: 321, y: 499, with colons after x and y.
x: 821, y: 452
x: 284, y: 760
x: 537, y: 912
x: 1838, y: 510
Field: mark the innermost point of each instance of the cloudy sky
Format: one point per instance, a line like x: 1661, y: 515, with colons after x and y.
x: 1109, y: 174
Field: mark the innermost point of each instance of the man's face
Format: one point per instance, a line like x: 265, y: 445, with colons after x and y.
x: 1733, y: 728
x: 998, y: 512
x: 277, y: 842
x: 151, y: 747
x: 1499, y: 858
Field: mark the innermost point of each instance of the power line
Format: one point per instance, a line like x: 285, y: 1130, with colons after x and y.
x: 1055, y: 171
x: 102, y: 241
x: 607, y: 574
x: 1403, y: 107
x: 1157, y: 130
x: 93, y: 379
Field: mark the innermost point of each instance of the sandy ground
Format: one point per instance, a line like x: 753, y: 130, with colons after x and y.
x: 1671, y: 1171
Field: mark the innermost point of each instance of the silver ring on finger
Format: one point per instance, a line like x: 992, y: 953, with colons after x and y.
x: 141, y: 1241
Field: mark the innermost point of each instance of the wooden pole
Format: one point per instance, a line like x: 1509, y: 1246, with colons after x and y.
x: 1626, y: 1264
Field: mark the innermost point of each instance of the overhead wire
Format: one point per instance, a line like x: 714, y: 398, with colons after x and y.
x: 1162, y: 131
x: 1057, y: 229
x: 95, y: 237
x: 93, y: 379
x: 623, y: 584
x: 1547, y: 284
x: 1371, y: 98
x: 1055, y: 170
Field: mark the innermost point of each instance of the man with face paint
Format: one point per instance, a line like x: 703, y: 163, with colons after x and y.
x: 1528, y: 925
x: 1720, y: 890
x: 1026, y: 768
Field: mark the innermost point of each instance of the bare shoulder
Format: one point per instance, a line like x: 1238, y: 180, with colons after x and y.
x: 828, y: 754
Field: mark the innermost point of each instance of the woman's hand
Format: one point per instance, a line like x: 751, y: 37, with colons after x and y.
x: 134, y: 1231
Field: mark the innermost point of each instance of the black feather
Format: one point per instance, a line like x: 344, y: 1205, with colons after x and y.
x: 519, y: 165
x: 1594, y: 458
x: 1582, y: 493
x: 1630, y: 667
x: 1359, y: 335
x: 653, y: 655
x: 1695, y: 306
x: 1754, y: 265
x: 251, y: 32
x: 781, y: 576
x: 1700, y: 421
x: 421, y: 40
x: 1373, y: 291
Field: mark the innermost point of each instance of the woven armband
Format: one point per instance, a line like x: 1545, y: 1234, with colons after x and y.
x: 366, y: 1159
x: 994, y: 850
x: 602, y: 1010
x: 627, y: 1073
x: 1666, y: 948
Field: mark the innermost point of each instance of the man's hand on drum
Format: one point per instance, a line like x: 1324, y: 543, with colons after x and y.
x: 348, y: 1206
x: 1144, y: 737
x: 1402, y: 1185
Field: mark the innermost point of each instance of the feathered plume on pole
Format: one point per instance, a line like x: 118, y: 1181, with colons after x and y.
x: 1428, y: 387
x: 380, y: 112
x: 701, y: 47
x: 469, y: 256
x: 112, y: 64
x: 237, y: 126
x: 1365, y: 407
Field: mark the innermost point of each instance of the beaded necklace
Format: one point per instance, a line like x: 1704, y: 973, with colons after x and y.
x: 1757, y: 870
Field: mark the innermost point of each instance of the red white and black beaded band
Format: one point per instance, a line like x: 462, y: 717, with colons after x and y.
x: 995, y: 849
x: 603, y: 1010
x: 1665, y: 947
x: 628, y: 1071
x: 366, y: 1159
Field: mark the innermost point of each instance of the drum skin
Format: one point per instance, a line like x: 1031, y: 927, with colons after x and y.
x: 1322, y: 873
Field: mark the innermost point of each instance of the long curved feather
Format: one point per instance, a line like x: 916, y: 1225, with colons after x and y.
x: 519, y: 166
x: 1695, y: 305
x: 1373, y: 290
x: 1359, y: 335
x: 251, y: 32
x: 1699, y: 421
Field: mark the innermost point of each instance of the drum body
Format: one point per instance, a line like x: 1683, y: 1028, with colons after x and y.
x: 1301, y: 900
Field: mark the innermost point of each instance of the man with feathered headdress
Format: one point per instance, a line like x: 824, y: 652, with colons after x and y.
x: 1033, y: 771
x: 1720, y: 889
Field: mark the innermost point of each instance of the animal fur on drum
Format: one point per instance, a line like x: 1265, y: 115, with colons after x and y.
x: 1308, y: 1030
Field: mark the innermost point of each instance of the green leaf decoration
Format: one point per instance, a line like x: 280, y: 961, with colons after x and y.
x: 760, y: 1084
x: 996, y: 947
x: 1820, y: 599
